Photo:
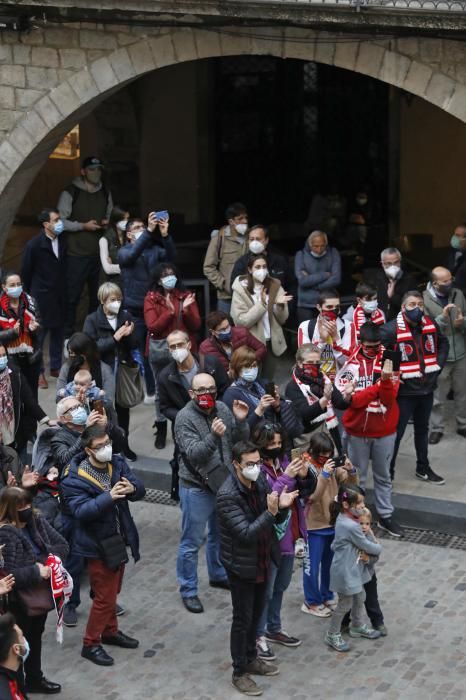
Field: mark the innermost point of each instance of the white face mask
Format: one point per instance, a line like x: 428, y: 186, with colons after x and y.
x: 137, y: 234
x: 256, y: 247
x: 114, y: 306
x: 241, y: 229
x: 251, y: 473
x: 260, y: 275
x: 392, y: 271
x: 179, y: 355
x: 370, y: 306
x: 104, y: 454
x: 122, y: 225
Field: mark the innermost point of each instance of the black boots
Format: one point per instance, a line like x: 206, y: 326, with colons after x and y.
x: 161, y: 435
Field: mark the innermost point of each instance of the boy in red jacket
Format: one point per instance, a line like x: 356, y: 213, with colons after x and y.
x: 371, y: 419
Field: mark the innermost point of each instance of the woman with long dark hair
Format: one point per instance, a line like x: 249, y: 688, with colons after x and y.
x: 111, y: 242
x: 84, y: 354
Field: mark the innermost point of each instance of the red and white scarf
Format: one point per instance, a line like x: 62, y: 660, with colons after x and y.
x: 62, y: 587
x: 360, y: 318
x: 410, y: 361
x: 329, y: 416
x: 351, y: 372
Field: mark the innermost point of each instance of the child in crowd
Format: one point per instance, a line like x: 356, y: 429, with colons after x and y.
x: 348, y: 572
x: 83, y: 385
x: 366, y: 309
x: 318, y: 596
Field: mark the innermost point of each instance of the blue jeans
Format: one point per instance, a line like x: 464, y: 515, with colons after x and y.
x: 198, y: 510
x: 140, y: 335
x: 224, y: 305
x: 318, y: 557
x: 278, y: 581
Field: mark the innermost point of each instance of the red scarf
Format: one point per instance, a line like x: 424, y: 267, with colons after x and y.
x: 8, y: 318
x: 410, y: 361
x: 62, y: 586
x: 351, y: 372
x: 329, y: 416
x: 359, y: 318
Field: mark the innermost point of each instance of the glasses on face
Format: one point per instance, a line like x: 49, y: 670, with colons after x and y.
x: 203, y: 390
x: 177, y: 346
x: 73, y: 408
x: 100, y: 447
x: 251, y: 464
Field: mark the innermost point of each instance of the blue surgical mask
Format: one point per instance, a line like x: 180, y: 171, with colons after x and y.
x: 3, y: 362
x: 14, y: 292
x: 224, y: 336
x: 414, y: 315
x: 169, y: 282
x: 27, y: 649
x: 455, y: 242
x: 370, y: 306
x: 249, y: 374
x: 59, y: 227
x: 79, y: 415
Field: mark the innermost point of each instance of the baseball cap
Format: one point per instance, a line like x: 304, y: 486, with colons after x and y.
x: 92, y: 162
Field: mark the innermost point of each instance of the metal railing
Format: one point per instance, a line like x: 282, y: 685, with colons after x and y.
x: 425, y: 5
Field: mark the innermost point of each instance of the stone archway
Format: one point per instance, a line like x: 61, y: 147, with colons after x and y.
x: 35, y: 133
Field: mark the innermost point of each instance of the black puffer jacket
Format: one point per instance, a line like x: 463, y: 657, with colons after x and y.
x: 240, y: 527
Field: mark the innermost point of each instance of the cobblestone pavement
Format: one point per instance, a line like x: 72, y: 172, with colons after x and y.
x: 186, y: 657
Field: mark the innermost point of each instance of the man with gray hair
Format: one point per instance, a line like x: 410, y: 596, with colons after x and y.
x: 317, y: 267
x: 391, y: 282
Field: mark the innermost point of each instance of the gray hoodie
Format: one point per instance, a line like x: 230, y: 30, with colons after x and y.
x: 347, y: 576
x: 456, y: 336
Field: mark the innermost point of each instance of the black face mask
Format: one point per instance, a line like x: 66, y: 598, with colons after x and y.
x: 272, y: 453
x: 25, y: 516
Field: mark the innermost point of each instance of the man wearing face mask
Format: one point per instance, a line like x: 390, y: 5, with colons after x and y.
x: 225, y: 247
x: 424, y: 351
x: 447, y: 306
x: 97, y: 490
x: 85, y: 208
x: 366, y: 309
x: 391, y: 282
x: 205, y: 431
x: 43, y: 273
x: 456, y: 260
x: 258, y: 242
x: 14, y: 650
x: 248, y: 511
x: 317, y: 267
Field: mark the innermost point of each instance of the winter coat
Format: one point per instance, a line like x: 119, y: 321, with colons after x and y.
x: 379, y: 280
x: 173, y: 394
x: 204, y: 450
x: 44, y: 277
x: 137, y: 262
x: 9, y: 462
x: 12, y: 684
x: 245, y: 311
x: 418, y: 386
x: 26, y: 341
x: 456, y: 336
x: 286, y: 416
x: 161, y: 320
x: 66, y: 443
x: 26, y: 409
x: 347, y: 576
x: 97, y: 327
x: 361, y: 423
x: 322, y: 273
x: 318, y: 506
x: 222, y: 253
x: 19, y: 557
x: 306, y: 412
x: 95, y: 512
x: 48, y: 506
x: 239, y: 336
x: 240, y: 527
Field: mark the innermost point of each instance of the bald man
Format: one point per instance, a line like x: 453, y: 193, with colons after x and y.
x: 446, y: 304
x: 205, y: 431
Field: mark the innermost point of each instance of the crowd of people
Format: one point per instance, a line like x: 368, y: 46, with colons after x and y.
x: 270, y: 473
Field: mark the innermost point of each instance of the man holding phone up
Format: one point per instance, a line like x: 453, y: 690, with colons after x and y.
x: 447, y: 306
x: 371, y: 419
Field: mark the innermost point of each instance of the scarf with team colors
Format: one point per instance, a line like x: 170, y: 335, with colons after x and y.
x: 351, y: 372
x: 410, y: 361
x: 329, y: 416
x: 359, y: 318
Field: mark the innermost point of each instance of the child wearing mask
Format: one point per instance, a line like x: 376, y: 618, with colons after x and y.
x: 366, y: 309
x: 318, y: 596
x: 348, y: 572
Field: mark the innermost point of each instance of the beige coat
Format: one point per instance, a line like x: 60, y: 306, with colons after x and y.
x: 222, y: 253
x: 245, y: 311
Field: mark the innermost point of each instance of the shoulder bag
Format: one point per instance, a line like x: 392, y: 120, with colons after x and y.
x: 129, y: 385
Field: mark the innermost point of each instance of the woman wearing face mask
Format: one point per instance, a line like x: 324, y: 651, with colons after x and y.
x: 28, y: 540
x: 260, y: 304
x: 168, y: 307
x: 83, y: 353
x: 112, y: 329
x: 19, y: 328
x: 248, y: 387
x: 280, y: 473
x: 111, y: 242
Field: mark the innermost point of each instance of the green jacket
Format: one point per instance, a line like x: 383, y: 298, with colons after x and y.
x: 456, y: 336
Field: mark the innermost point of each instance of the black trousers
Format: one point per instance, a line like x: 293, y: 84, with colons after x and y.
x: 79, y: 272
x: 374, y: 613
x: 419, y: 408
x: 248, y: 599
x: 32, y: 628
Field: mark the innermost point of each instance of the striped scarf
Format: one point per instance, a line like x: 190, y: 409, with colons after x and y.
x: 359, y: 318
x: 8, y: 319
x: 329, y: 416
x: 62, y: 586
x: 351, y: 372
x: 410, y: 361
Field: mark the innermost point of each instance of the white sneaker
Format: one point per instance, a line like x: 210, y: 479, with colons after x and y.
x: 263, y: 650
x: 316, y: 610
x: 299, y: 547
x: 149, y: 399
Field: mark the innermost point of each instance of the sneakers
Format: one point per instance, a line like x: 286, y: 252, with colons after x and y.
x: 119, y: 610
x: 336, y: 641
x: 382, y: 629
x: 299, y: 548
x: 246, y: 685
x: 391, y: 526
x: 364, y: 631
x: 316, y: 610
x: 129, y: 454
x: 263, y: 650
x: 149, y: 399
x: 282, y: 638
x: 434, y: 437
x: 70, y: 616
x: 430, y: 476
x: 259, y: 667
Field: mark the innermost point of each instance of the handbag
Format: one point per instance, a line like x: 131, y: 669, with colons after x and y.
x: 159, y: 353
x: 129, y: 386
x: 36, y: 600
x: 114, y: 552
